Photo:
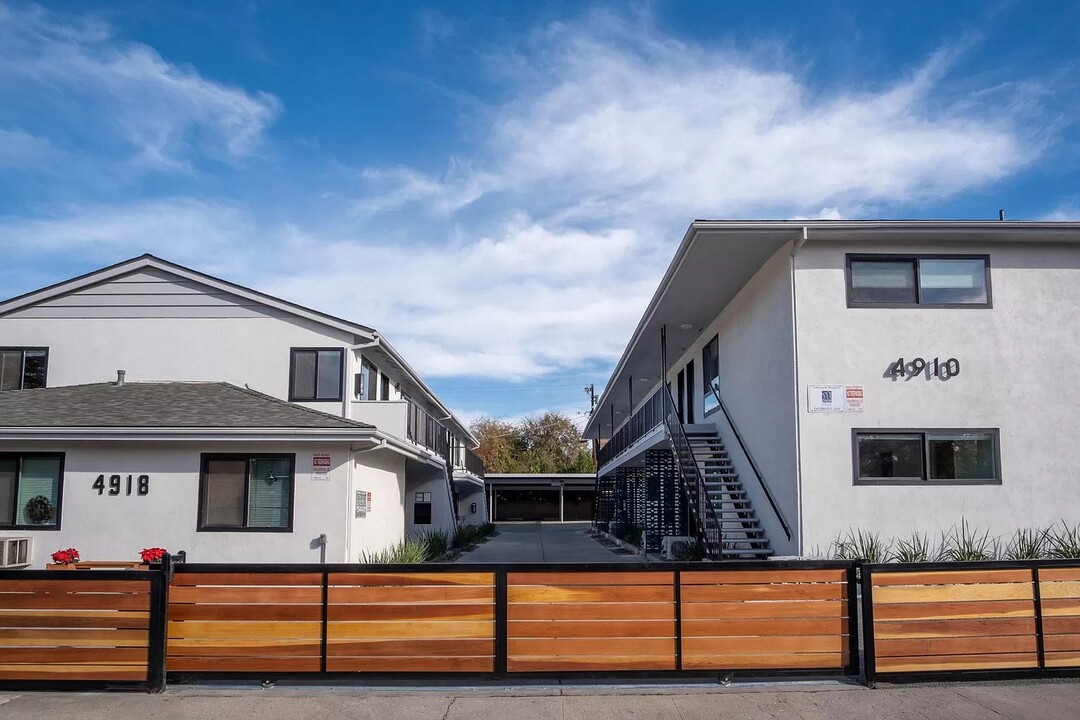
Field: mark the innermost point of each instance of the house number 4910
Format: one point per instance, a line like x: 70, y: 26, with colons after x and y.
x: 141, y: 485
x: 937, y: 367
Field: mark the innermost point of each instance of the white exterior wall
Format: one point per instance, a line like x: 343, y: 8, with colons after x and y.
x: 757, y: 384
x: 382, y: 473
x: 1018, y: 373
x: 104, y: 527
x: 442, y: 512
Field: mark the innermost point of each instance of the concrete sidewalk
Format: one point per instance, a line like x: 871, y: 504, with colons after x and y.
x: 1015, y: 701
x: 544, y: 542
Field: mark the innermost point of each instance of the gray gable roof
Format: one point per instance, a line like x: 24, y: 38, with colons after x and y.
x: 160, y: 405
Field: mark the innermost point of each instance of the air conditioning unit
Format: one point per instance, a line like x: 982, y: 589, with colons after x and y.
x: 15, y: 552
x: 677, y: 547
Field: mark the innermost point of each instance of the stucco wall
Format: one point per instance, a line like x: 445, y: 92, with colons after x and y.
x: 756, y: 382
x: 105, y: 527
x: 382, y: 473
x: 1018, y: 374
x: 427, y: 478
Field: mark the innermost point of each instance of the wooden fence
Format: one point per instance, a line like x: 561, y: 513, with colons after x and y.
x: 994, y: 618
x: 75, y: 630
x: 127, y: 628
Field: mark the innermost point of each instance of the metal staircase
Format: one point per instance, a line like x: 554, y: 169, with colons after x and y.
x: 741, y: 534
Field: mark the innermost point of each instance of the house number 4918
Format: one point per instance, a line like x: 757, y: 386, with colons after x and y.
x: 937, y: 367
x: 141, y: 485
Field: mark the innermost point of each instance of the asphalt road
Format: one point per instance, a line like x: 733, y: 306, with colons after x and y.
x: 1019, y: 700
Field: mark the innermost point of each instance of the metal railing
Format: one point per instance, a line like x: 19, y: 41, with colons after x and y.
x: 467, y: 460
x: 710, y: 531
x: 753, y: 465
x: 647, y: 418
x: 425, y: 430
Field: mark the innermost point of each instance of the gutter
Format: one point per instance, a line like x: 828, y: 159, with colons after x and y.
x: 185, y: 433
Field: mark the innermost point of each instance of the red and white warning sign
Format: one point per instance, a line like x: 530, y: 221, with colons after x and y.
x: 853, y: 398
x: 320, y: 466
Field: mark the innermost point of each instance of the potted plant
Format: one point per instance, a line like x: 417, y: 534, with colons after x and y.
x: 152, y: 555
x: 65, y: 559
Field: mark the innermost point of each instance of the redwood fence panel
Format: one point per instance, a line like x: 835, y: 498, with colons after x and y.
x: 79, y: 630
x: 992, y: 619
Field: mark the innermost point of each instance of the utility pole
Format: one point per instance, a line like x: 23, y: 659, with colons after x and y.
x: 591, y: 390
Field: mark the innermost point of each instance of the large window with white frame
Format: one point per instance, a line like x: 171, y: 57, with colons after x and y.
x: 31, y: 489
x: 915, y: 457
x: 886, y: 280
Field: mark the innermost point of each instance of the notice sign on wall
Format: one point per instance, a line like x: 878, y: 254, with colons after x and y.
x: 363, y: 503
x: 320, y: 466
x: 834, y: 398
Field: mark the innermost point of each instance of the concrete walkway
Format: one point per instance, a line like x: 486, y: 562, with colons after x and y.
x: 544, y: 542
x: 1012, y: 701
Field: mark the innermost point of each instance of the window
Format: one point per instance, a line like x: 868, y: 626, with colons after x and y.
x: 929, y: 280
x: 315, y: 374
x: 23, y: 368
x: 30, y: 490
x: 422, y: 508
x: 246, y: 492
x: 887, y: 457
x: 384, y: 387
x: 710, y: 373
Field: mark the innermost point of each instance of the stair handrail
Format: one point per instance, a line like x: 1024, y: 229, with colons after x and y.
x: 711, y: 536
x: 714, y: 387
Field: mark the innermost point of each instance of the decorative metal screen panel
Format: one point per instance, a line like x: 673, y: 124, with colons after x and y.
x: 665, y: 504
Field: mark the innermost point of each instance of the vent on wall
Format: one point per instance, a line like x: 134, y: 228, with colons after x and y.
x: 15, y: 552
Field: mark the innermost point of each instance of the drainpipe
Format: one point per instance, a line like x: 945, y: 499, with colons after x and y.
x: 795, y: 376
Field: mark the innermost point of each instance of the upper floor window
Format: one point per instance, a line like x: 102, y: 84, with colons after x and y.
x: 710, y: 373
x: 887, y: 457
x: 246, y: 492
x: 315, y: 374
x: 366, y: 387
x: 30, y: 490
x: 924, y: 280
x: 23, y: 368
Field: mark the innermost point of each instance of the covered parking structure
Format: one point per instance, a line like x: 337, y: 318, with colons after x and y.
x: 541, y: 497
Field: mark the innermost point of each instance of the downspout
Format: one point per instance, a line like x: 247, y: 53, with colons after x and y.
x: 795, y: 376
x: 350, y: 499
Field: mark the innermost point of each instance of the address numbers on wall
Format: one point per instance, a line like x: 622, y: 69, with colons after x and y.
x: 127, y: 485
x: 937, y: 367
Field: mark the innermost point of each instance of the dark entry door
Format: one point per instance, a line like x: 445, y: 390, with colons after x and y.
x: 690, y: 391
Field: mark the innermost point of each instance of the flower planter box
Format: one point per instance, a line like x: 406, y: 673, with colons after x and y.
x: 99, y: 565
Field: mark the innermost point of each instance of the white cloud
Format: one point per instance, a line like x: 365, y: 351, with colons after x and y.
x: 69, y: 74
x: 612, y: 120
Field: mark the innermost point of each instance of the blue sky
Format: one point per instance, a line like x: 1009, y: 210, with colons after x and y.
x: 499, y: 186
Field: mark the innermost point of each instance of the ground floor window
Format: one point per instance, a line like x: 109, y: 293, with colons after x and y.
x: 246, y: 492
x: 422, y: 508
x: 886, y: 457
x: 30, y: 490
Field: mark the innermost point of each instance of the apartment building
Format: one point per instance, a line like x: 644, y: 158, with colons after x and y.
x: 148, y: 404
x: 792, y: 381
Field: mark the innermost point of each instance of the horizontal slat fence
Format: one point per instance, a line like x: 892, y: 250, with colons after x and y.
x: 767, y: 619
x: 75, y: 627
x: 990, y: 618
x: 411, y: 622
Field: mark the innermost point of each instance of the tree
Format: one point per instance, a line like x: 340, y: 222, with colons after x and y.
x: 548, y: 443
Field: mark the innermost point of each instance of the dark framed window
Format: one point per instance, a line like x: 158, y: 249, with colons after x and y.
x: 918, y: 281
x: 252, y: 493
x: 710, y: 373
x: 23, y: 368
x: 690, y: 391
x: 384, y: 387
x: 315, y: 374
x: 941, y: 456
x: 31, y: 490
x: 422, y: 508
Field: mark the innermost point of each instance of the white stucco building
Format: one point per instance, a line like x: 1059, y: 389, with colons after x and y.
x: 894, y: 376
x: 365, y: 451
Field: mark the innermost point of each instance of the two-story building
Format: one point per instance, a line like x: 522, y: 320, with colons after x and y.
x: 795, y: 380
x: 147, y: 404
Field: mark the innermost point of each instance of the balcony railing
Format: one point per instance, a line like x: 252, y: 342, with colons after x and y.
x: 423, y: 429
x: 467, y: 460
x: 647, y: 418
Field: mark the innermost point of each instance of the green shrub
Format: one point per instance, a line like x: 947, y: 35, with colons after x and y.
x: 1063, y: 544
x: 859, y: 544
x: 437, y: 543
x: 632, y: 535
x: 913, y: 549
x: 405, y: 552
x: 465, y: 535
x: 1026, y: 544
x: 487, y: 528
x: 966, y: 544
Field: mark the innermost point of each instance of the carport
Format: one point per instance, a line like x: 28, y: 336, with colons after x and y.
x: 536, y: 497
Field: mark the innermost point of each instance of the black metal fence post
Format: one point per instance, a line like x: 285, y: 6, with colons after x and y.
x: 854, y: 573
x: 868, y: 659
x: 1040, y: 639
x: 325, y: 612
x: 158, y: 631
x: 501, y: 627
x: 678, y: 620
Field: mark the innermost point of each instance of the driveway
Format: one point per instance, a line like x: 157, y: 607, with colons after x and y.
x: 544, y: 542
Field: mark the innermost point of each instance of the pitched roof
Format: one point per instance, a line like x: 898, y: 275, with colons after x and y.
x: 160, y: 405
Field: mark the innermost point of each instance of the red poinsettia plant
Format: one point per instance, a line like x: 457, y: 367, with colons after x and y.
x: 66, y: 557
x: 150, y: 555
